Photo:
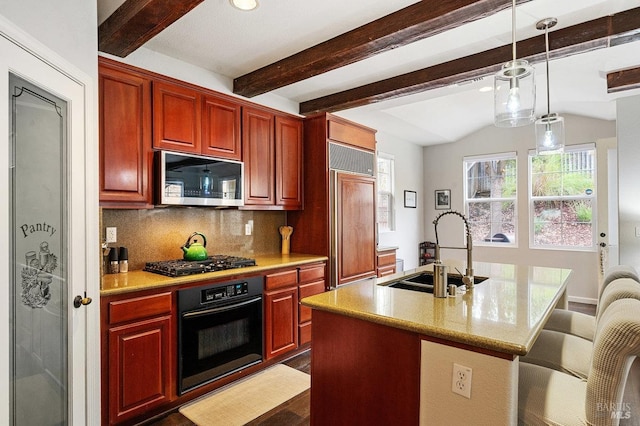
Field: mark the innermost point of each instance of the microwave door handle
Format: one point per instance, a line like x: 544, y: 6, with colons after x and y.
x: 196, y: 314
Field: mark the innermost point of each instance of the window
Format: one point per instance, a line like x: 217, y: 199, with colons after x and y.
x: 490, y: 198
x: 562, y: 198
x: 385, y: 214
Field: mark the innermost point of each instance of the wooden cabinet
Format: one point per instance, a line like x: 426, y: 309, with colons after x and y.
x: 176, y: 117
x: 386, y: 262
x: 138, y: 334
x: 311, y: 281
x: 272, y: 155
x: 281, y: 313
x: 352, y: 198
x: 126, y: 155
x: 221, y: 128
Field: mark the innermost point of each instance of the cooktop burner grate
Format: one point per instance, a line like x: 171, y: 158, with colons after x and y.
x: 179, y: 267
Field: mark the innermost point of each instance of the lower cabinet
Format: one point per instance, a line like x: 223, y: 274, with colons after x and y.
x: 281, y: 313
x: 312, y: 281
x: 386, y: 262
x: 140, y: 367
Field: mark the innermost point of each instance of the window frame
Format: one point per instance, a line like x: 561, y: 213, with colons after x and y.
x: 593, y: 198
x: 392, y: 198
x: 510, y: 155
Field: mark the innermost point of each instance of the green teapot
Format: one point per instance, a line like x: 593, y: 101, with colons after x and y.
x: 194, y: 250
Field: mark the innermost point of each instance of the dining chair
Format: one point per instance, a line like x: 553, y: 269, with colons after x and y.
x: 547, y: 396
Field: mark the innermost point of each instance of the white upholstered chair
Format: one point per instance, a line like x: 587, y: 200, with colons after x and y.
x: 583, y: 325
x: 550, y: 397
x: 572, y: 354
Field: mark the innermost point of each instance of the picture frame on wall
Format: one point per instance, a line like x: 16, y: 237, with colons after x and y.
x: 443, y: 199
x: 410, y: 199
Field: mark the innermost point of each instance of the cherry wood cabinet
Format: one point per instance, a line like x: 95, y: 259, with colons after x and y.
x: 272, y: 155
x: 355, y: 237
x: 281, y: 313
x: 139, y: 355
x: 221, y: 135
x: 312, y: 280
x: 386, y: 262
x: 177, y: 117
x: 126, y: 155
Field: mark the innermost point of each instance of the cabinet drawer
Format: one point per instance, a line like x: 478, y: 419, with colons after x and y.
x: 304, y: 333
x: 305, y: 291
x: 139, y: 307
x: 387, y: 258
x: 386, y: 270
x: 281, y: 279
x: 312, y: 274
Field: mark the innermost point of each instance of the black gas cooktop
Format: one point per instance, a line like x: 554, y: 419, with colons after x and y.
x: 179, y: 267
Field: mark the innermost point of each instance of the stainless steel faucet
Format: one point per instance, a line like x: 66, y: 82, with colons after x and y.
x: 467, y: 279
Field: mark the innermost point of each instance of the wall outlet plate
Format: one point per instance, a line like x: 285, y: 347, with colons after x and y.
x: 111, y: 234
x: 461, y: 380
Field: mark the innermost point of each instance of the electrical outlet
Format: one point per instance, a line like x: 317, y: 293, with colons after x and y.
x: 461, y: 380
x: 247, y: 229
x: 111, y: 234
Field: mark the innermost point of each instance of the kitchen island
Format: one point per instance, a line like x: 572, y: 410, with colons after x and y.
x: 384, y: 355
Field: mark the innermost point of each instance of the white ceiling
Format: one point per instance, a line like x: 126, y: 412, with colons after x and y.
x: 217, y: 37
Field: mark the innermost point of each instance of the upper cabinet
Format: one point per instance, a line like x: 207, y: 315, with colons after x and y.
x: 272, y: 156
x: 221, y: 128
x: 141, y: 111
x: 176, y: 117
x: 126, y: 156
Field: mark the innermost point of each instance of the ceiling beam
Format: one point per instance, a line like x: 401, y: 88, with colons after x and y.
x: 416, y: 22
x: 628, y: 79
x: 136, y: 21
x: 598, y: 33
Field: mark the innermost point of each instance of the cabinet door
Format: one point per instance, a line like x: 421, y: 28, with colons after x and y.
x: 126, y: 157
x: 281, y: 321
x: 289, y: 162
x: 139, y: 367
x: 221, y: 128
x: 258, y: 156
x: 356, y: 227
x: 176, y: 118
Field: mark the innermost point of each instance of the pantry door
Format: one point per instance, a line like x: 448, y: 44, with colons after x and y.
x: 44, y: 302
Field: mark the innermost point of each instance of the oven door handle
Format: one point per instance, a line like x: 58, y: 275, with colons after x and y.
x: 195, y: 314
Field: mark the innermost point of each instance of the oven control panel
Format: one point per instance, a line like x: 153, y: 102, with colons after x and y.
x: 223, y: 292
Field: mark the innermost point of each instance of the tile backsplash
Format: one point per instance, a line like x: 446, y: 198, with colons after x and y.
x: 157, y: 234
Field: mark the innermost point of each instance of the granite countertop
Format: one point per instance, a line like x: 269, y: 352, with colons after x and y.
x: 141, y: 280
x: 505, y: 313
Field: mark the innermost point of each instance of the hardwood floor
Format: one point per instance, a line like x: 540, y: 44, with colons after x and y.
x: 296, y: 412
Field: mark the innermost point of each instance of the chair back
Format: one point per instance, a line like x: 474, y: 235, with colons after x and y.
x: 621, y: 288
x: 613, y: 273
x: 616, y: 345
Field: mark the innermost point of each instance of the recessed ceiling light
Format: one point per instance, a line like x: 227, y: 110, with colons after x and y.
x: 486, y: 89
x: 245, y: 5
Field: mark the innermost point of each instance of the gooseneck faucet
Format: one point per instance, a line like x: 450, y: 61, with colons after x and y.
x: 467, y: 279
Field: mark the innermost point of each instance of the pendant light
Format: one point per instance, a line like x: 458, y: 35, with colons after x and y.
x: 245, y: 5
x: 549, y: 127
x: 514, y: 89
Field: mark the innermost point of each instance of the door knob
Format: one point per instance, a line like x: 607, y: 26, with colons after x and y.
x: 79, y: 300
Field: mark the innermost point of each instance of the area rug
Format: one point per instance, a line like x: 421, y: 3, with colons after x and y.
x: 250, y: 398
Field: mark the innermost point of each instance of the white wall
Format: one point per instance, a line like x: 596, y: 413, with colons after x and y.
x: 68, y: 27
x: 443, y: 170
x: 628, y: 122
x: 408, y: 176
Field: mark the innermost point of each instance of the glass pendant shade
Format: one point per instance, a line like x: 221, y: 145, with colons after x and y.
x: 244, y: 4
x: 550, y: 134
x: 514, y: 95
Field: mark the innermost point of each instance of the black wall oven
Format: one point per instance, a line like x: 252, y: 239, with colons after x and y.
x: 219, y: 331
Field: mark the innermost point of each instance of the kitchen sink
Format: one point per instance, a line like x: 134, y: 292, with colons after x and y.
x: 424, y: 282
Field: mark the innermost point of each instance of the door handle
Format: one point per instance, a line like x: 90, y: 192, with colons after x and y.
x: 79, y: 300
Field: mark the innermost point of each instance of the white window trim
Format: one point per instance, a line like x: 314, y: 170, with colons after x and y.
x: 594, y: 203
x: 510, y: 155
x: 392, y: 204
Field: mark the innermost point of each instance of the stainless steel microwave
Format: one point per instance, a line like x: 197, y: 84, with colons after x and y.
x: 195, y: 180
